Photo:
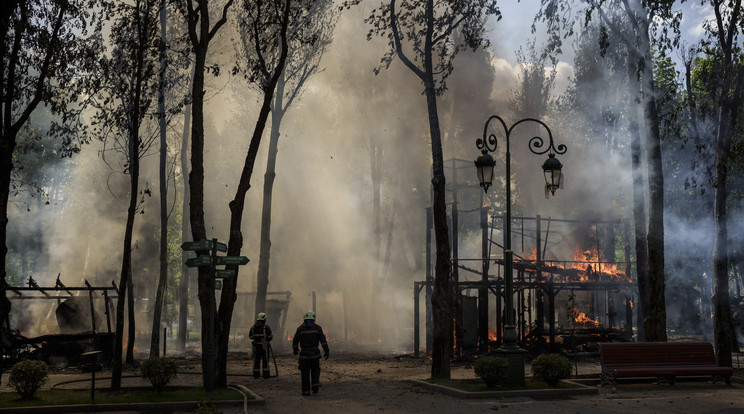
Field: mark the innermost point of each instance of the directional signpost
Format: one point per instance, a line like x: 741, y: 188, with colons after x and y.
x: 224, y: 274
x: 212, y: 260
x: 199, y: 261
x: 232, y: 260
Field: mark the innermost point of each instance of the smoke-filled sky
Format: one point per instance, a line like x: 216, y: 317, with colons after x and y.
x: 322, y: 227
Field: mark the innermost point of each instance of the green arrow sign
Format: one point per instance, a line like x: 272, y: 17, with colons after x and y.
x: 221, y: 247
x: 217, y: 285
x: 224, y: 274
x: 199, y: 261
x: 232, y: 260
x: 202, y: 244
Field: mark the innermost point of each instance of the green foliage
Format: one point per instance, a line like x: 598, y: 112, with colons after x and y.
x: 207, y: 407
x: 457, y: 26
x: 551, y: 368
x: 28, y: 376
x: 491, y: 370
x: 159, y: 371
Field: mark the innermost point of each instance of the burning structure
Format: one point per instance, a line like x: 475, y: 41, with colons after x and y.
x: 79, y: 322
x: 571, y: 282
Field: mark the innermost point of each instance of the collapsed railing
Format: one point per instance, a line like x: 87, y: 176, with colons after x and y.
x: 76, y: 336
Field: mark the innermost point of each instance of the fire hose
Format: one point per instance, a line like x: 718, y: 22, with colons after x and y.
x: 270, y: 350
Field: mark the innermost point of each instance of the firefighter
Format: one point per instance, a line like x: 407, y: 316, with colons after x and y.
x: 305, y: 343
x: 260, y: 335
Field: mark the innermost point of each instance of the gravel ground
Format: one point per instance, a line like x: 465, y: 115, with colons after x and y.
x: 374, y: 383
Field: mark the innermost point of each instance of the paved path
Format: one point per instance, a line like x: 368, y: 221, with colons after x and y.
x: 361, y: 384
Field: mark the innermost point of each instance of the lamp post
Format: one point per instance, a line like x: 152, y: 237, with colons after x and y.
x: 553, y: 180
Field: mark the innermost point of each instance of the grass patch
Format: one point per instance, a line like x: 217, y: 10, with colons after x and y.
x: 124, y: 395
x: 477, y: 385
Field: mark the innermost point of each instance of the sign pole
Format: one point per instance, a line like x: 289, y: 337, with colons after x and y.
x: 211, y: 350
x: 212, y: 261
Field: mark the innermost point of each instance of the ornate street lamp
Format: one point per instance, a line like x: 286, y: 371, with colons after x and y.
x: 553, y: 175
x: 553, y: 180
x: 484, y: 165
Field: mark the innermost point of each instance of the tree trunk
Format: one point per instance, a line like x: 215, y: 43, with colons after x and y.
x: 160, y: 294
x: 441, y: 299
x: 727, y: 123
x: 375, y: 159
x: 730, y: 88
x: 183, y: 282
x: 200, y: 35
x: 237, y: 205
x: 639, y: 225
x: 722, y: 331
x: 131, y: 319
x: 125, y: 279
x: 264, y: 258
x: 441, y: 296
x: 7, y: 147
x: 645, y: 306
x: 655, y: 315
x: 196, y: 202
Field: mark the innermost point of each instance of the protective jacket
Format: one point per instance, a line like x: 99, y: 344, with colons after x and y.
x: 260, y: 335
x: 260, y: 332
x: 307, y: 338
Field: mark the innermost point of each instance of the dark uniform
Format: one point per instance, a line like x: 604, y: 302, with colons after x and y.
x: 260, y: 335
x: 305, y: 343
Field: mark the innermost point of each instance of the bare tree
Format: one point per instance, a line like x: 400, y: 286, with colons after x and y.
x: 183, y: 282
x: 173, y: 93
x: 309, y: 36
x: 200, y: 34
x: 163, y: 181
x: 129, y: 83
x: 43, y: 49
x: 421, y: 34
x: 267, y: 24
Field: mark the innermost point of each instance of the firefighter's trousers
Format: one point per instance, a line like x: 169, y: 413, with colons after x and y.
x: 261, y: 357
x: 310, y: 373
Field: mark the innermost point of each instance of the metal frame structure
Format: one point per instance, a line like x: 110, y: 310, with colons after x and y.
x: 537, y: 283
x: 62, y: 292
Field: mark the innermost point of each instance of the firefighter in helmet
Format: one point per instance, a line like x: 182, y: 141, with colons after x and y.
x: 305, y: 343
x: 260, y: 335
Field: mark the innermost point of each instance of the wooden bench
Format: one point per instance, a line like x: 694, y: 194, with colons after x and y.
x: 661, y: 360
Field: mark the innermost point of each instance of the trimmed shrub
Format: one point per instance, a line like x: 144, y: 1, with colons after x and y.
x: 551, y: 368
x: 207, y: 407
x: 28, y: 376
x: 159, y: 371
x: 491, y: 370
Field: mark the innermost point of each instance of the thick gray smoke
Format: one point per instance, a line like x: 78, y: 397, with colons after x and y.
x: 322, y: 226
x: 322, y: 232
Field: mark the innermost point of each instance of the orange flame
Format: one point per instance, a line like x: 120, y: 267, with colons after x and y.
x: 590, y: 262
x: 581, y: 318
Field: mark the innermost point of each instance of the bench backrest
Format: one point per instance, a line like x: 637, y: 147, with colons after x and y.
x: 656, y: 353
